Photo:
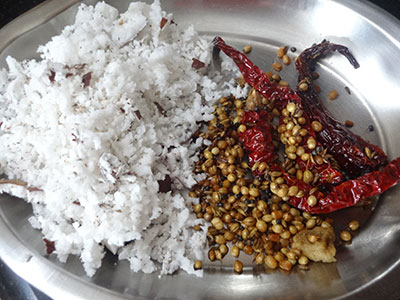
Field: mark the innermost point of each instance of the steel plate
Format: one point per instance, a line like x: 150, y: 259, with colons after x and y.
x: 367, y: 268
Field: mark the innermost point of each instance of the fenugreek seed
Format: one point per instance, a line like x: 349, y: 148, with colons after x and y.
x: 289, y: 125
x: 291, y: 149
x: 244, y: 190
x: 248, y: 249
x: 220, y: 239
x: 312, y: 238
x: 310, y: 223
x: 247, y: 49
x: 235, y: 251
x: 354, y: 225
x: 223, y: 249
x: 303, y: 132
x: 208, y: 163
x: 291, y: 107
x: 277, y: 66
x: 277, y: 214
x: 254, y: 192
x: 192, y: 195
x: 316, y: 126
x: 215, y: 151
x: 197, y: 208
x: 282, y: 192
x: 259, y: 258
x: 291, y: 255
x: 292, y: 229
x: 292, y: 156
x: 242, y: 128
x: 218, y: 254
x: 294, y: 212
x: 240, y: 245
x: 236, y: 189
x: 276, y: 173
x: 261, y: 226
x: 216, y: 196
x: 311, y: 200
x: 270, y: 262
x: 277, y: 228
x: 217, y: 223
x: 279, y: 256
x: 244, y: 165
x: 326, y: 224
x: 207, y: 154
x: 285, y: 235
x: 197, y: 227
x: 211, y: 254
x: 311, y: 143
x: 222, y: 144
x: 332, y: 95
x: 238, y: 266
x: 286, y: 60
x: 267, y: 218
x: 279, y: 180
x: 301, y: 120
x: 293, y: 190
x: 212, y: 170
x: 281, y: 128
x: 207, y: 217
x: 345, y: 236
x: 305, y: 157
x: 255, y: 166
x: 281, y: 52
x: 262, y: 205
x: 228, y: 235
x: 283, y: 83
x: 303, y: 86
x: 349, y: 123
x: 238, y: 103
x: 292, y: 140
x: 198, y: 264
x: 276, y: 112
x: 234, y: 227
x: 308, y: 176
x: 276, y: 77
x: 249, y: 221
x: 303, y: 260
x: 231, y: 178
x: 262, y: 166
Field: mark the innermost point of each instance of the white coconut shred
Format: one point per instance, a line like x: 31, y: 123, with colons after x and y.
x: 99, y: 122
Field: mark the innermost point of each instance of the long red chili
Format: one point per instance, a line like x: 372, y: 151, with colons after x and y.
x: 350, y: 155
x: 257, y: 140
x: 353, y: 191
x: 348, y: 148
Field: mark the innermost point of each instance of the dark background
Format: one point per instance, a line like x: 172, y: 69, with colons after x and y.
x: 11, y: 286
x: 9, y: 9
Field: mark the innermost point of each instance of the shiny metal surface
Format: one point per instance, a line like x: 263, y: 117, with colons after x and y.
x: 368, y: 268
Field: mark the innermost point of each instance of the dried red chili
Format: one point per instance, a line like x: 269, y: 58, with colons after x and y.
x: 257, y: 139
x: 343, y: 145
x: 347, y: 147
x: 350, y: 192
